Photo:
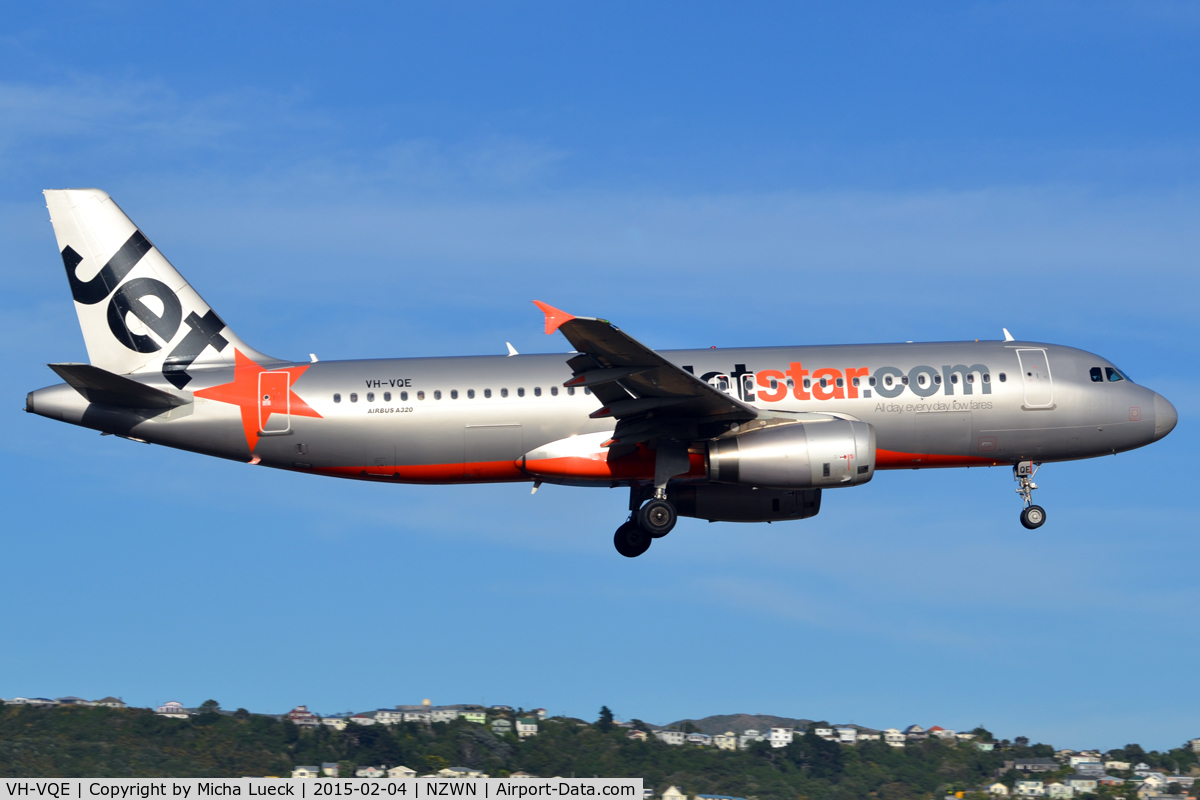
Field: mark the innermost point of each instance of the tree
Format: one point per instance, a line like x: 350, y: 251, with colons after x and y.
x: 605, y: 723
x: 1021, y: 741
x: 210, y: 707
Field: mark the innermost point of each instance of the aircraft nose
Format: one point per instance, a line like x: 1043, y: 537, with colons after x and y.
x: 1165, y: 417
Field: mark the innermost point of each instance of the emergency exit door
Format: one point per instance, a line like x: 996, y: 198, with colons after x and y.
x: 1035, y: 377
x: 274, y: 402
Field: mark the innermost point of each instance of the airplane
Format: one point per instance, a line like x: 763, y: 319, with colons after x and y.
x: 733, y: 435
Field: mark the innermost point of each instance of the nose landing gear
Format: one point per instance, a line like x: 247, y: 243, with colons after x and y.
x: 1032, y: 516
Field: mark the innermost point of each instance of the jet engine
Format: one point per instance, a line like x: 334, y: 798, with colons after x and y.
x: 718, y: 502
x: 799, y: 455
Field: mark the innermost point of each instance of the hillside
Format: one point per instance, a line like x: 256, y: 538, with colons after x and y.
x: 103, y: 742
x: 720, y: 723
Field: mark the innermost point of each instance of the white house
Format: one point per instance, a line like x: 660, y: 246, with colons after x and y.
x: 363, y: 719
x: 725, y: 741
x: 998, y: 789
x: 1057, y: 789
x: 337, y: 723
x: 527, y: 726
x: 300, y: 715
x: 306, y: 772
x: 443, y: 714
x: 749, y: 737
x: 671, y: 737
x: 1195, y: 743
x: 401, y: 772
x: 915, y: 732
x: 502, y: 725
x: 1030, y: 789
x: 673, y: 794
x: 540, y: 713
x: 1082, y: 783
x: 1121, y: 766
x: 846, y: 734
x: 173, y: 709
x: 940, y: 732
x: 110, y: 702
x: 1076, y: 760
x: 824, y: 733
x: 369, y: 772
x: 330, y: 769
x: 868, y: 735
x: 893, y: 738
x: 782, y: 737
x: 389, y: 716
x: 985, y: 747
x: 702, y: 739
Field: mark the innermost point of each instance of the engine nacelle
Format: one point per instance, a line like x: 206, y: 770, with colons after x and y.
x: 799, y: 455
x: 718, y: 502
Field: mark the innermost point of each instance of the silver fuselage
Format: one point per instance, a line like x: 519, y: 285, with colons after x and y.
x: 427, y: 420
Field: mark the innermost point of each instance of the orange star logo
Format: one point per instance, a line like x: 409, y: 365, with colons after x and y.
x: 244, y: 393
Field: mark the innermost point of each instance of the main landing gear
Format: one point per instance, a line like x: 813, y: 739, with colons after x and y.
x: 651, y: 521
x: 1032, y: 516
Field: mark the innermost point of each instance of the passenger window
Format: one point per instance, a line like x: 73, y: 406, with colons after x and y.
x: 586, y: 390
x: 871, y: 381
x: 904, y: 380
x: 437, y: 394
x: 1003, y: 377
x: 487, y: 392
x: 807, y: 383
x: 1113, y: 375
x: 790, y: 385
x: 404, y: 397
x: 921, y: 379
x: 520, y: 391
x: 570, y: 391
x: 337, y: 398
x: 504, y: 392
x: 370, y: 397
x: 839, y: 383
x: 354, y: 397
x: 824, y: 383
x: 954, y: 377
x: 421, y: 395
x: 853, y: 381
x: 537, y: 391
x: 470, y: 394
x: 554, y: 391
x: 887, y: 380
x: 971, y: 378
x: 387, y: 397
x: 987, y: 377
x: 937, y: 379
x: 1097, y: 375
x: 454, y: 394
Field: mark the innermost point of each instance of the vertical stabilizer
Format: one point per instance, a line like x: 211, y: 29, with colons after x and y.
x: 137, y: 313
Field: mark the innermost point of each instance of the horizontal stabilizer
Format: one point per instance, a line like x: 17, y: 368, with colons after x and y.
x: 101, y: 386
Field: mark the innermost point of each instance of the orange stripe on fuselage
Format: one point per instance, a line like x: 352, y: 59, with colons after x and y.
x: 891, y: 459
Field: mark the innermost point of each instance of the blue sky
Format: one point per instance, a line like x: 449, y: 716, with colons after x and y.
x: 401, y: 180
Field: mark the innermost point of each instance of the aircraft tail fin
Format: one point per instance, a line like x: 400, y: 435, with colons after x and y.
x: 137, y: 313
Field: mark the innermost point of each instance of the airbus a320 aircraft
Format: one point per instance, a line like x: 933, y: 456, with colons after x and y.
x: 736, y: 435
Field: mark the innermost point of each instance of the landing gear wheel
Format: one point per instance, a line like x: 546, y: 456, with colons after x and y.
x: 657, y: 517
x: 631, y: 541
x: 1033, y: 517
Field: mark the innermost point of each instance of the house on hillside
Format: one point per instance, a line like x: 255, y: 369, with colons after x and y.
x: 701, y: 739
x: 73, y: 701
x: 893, y: 738
x: 540, y: 713
x: 726, y: 741
x: 673, y: 793
x: 369, y: 772
x: 1120, y: 766
x: 915, y: 732
x: 998, y: 789
x: 173, y: 709
x: 401, y: 772
x: 1081, y: 783
x: 824, y: 732
x: 337, y: 723
x: 478, y: 717
x: 110, y: 702
x: 1195, y: 743
x: 300, y: 715
x: 846, y: 734
x: 363, y: 719
x: 330, y: 769
x: 1057, y: 789
x: 637, y: 735
x: 984, y: 747
x: 781, y: 737
x: 306, y: 772
x: 749, y: 737
x: 869, y: 735
x: 671, y: 737
x: 501, y: 726
x: 942, y: 733
x: 1030, y: 789
x: 443, y: 714
x: 388, y: 716
x: 1032, y: 765
x: 527, y: 726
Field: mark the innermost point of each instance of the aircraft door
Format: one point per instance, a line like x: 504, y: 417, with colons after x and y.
x: 274, y: 402
x: 382, y: 459
x: 1035, y: 378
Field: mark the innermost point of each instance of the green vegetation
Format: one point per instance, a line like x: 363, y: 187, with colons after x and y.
x: 103, y: 742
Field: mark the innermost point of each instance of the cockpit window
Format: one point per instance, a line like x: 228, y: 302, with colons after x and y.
x: 1097, y: 375
x: 1113, y: 375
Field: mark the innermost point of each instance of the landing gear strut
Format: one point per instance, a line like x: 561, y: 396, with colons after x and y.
x: 1032, y: 516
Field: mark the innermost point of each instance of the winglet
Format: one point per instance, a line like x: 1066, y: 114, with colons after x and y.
x: 512, y: 351
x: 1008, y: 337
x: 554, y: 317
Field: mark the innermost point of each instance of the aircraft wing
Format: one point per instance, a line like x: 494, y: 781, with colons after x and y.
x: 647, y: 394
